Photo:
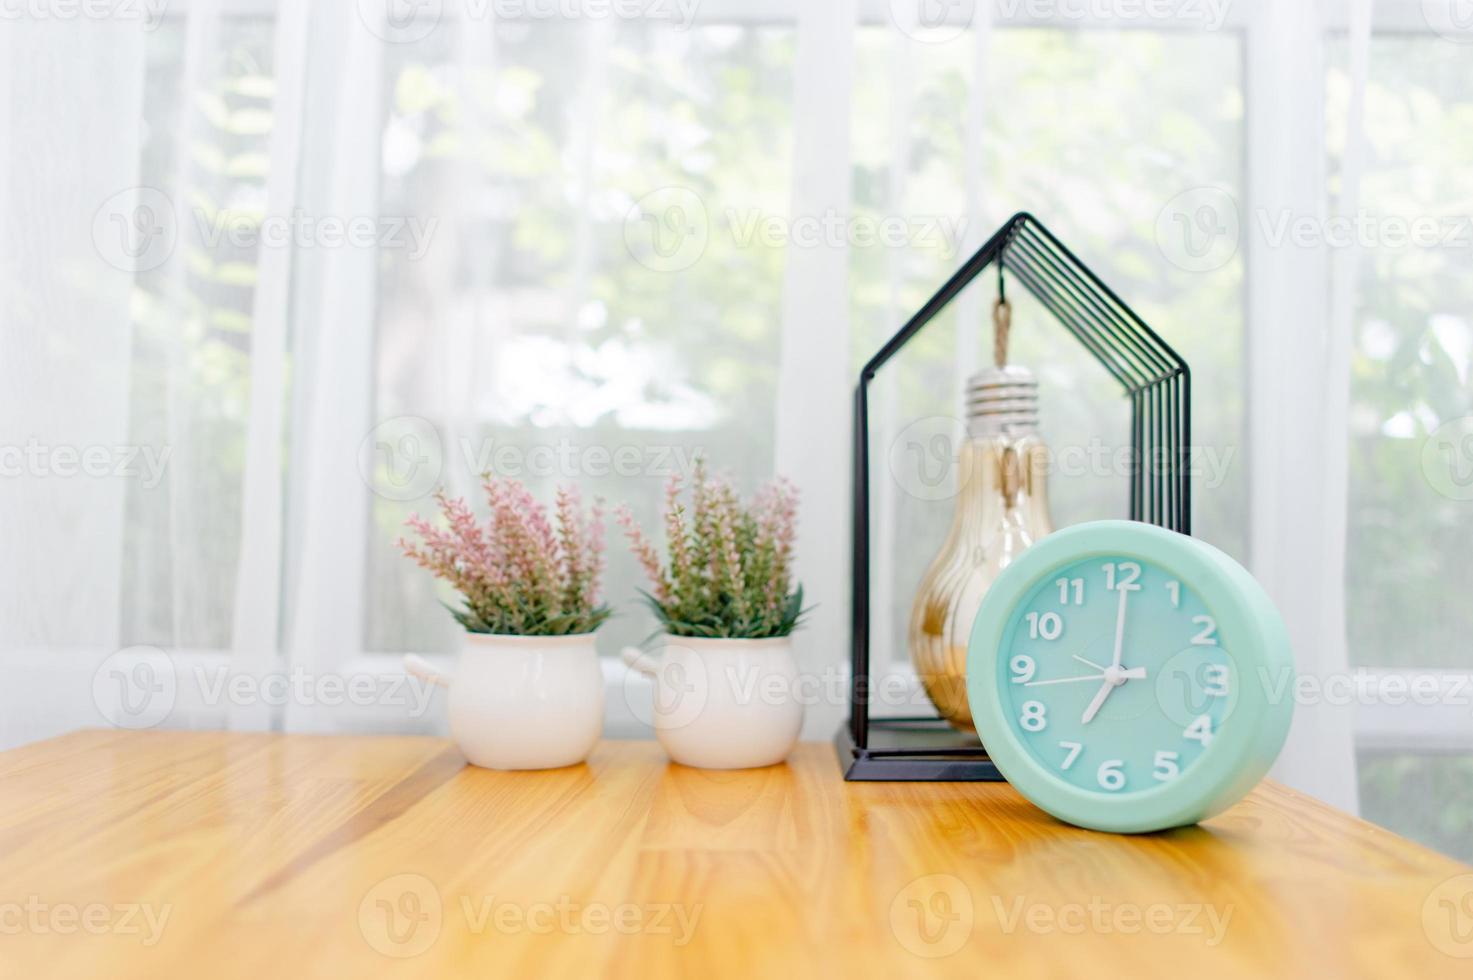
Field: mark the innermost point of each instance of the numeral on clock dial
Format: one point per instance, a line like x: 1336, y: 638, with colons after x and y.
x: 1200, y: 730
x: 1067, y: 584
x: 1166, y: 766
x: 1121, y: 576
x: 1048, y: 626
x: 1216, y: 676
x: 1207, y: 636
x: 1111, y: 775
x: 1073, y: 748
x: 1173, y: 587
x: 1034, y: 717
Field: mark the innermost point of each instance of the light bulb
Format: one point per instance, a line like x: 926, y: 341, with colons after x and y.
x: 1001, y: 509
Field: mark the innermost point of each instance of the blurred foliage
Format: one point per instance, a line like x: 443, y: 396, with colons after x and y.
x: 1408, y: 574
x: 192, y: 319
x: 1428, y: 798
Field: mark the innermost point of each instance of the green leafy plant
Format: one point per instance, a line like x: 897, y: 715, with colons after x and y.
x: 730, y: 563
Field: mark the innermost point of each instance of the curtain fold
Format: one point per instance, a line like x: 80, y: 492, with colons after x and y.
x: 812, y: 441
x: 333, y: 314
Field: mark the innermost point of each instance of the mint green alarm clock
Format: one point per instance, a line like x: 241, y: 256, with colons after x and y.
x: 1128, y: 678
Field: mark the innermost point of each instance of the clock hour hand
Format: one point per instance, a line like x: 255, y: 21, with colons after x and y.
x: 1094, y: 706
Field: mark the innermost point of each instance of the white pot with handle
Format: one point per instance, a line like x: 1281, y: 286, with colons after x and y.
x: 724, y: 703
x: 523, y: 702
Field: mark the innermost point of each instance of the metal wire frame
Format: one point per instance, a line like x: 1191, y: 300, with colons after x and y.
x: 1155, y: 380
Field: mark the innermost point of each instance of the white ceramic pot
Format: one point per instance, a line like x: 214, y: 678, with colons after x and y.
x: 724, y: 704
x: 523, y: 702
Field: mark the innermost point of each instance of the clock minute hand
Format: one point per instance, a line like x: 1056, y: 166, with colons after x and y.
x: 1120, y: 627
x: 1065, y: 680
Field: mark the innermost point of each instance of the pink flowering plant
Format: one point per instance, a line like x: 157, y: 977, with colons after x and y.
x: 730, y: 563
x: 520, y: 573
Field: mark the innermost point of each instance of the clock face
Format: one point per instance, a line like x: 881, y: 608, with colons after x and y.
x: 1123, y: 677
x: 1115, y: 674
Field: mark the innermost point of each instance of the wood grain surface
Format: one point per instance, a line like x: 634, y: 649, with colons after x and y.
x: 172, y: 854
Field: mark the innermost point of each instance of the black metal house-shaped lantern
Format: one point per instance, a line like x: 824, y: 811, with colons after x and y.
x: 1157, y: 384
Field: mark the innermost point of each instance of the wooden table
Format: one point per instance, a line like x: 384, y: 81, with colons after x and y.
x: 242, y: 855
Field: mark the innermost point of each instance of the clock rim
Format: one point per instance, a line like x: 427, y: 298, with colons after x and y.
x: 1238, y: 756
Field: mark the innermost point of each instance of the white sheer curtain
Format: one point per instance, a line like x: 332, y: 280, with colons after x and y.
x: 586, y: 243
x: 64, y: 351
